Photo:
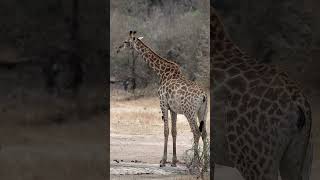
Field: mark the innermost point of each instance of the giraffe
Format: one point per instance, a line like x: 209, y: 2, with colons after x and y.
x: 177, y: 95
x: 266, y: 119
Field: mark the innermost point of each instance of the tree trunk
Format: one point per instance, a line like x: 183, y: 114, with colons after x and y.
x: 75, y: 22
x: 133, y: 73
x: 75, y: 58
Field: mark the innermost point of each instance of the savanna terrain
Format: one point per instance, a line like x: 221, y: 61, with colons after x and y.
x: 136, y: 139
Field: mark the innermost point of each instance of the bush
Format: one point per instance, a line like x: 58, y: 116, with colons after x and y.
x: 174, y: 31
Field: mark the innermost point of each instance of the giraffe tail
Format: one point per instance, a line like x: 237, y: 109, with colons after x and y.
x: 201, y: 126
x: 307, y: 160
x: 202, y: 114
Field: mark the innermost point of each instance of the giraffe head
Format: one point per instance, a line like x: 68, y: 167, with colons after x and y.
x: 130, y: 42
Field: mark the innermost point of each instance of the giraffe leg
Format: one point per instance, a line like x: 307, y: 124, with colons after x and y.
x: 205, y: 150
x: 166, y: 134
x: 297, y: 160
x: 202, y: 114
x: 174, y: 136
x: 196, y: 136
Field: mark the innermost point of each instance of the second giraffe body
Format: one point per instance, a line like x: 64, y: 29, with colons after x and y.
x: 265, y: 119
x: 177, y: 95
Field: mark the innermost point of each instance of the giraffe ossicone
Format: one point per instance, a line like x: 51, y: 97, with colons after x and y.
x: 177, y: 94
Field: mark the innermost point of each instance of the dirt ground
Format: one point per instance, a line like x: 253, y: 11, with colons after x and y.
x: 35, y: 149
x: 52, y: 153
x: 136, y: 143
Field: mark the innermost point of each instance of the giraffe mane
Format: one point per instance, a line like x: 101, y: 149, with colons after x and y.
x: 166, y: 60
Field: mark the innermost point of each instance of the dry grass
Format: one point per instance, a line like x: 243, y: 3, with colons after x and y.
x: 141, y: 116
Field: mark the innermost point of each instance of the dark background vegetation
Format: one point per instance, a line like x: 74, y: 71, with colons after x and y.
x: 45, y: 52
x: 53, y: 74
x: 175, y: 29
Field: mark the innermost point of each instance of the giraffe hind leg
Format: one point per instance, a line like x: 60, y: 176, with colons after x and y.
x: 192, y: 119
x: 174, y: 137
x: 297, y: 160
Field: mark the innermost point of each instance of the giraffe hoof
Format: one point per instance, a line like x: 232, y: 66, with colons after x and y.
x: 174, y: 162
x: 173, y: 165
x: 162, y: 163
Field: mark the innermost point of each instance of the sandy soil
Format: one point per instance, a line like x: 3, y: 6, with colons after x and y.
x: 53, y: 152
x: 137, y: 144
x: 136, y: 141
x: 147, y: 151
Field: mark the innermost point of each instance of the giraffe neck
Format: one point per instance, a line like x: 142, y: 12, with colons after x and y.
x: 163, y: 68
x: 221, y: 44
x: 228, y: 61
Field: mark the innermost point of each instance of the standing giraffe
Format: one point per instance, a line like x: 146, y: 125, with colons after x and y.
x: 177, y: 94
x: 266, y: 118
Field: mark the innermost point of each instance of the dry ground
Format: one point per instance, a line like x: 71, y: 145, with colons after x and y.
x: 137, y: 135
x: 55, y: 152
x: 47, y: 138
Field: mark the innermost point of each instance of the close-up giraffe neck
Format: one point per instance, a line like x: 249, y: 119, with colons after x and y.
x: 221, y: 43
x: 164, y: 68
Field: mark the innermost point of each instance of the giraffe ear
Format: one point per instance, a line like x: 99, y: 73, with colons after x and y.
x: 140, y: 38
x: 130, y: 32
x: 134, y: 32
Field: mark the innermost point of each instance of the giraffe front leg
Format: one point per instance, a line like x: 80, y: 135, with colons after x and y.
x: 174, y: 137
x: 166, y: 134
